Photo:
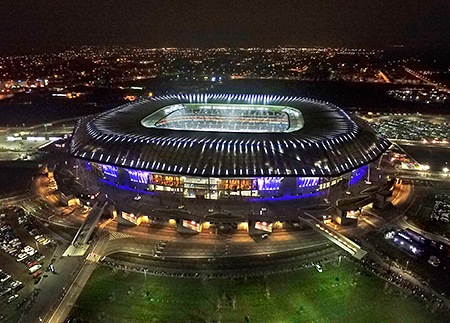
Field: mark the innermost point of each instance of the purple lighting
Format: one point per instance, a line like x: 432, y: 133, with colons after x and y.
x: 126, y: 187
x: 109, y: 170
x: 138, y: 176
x: 358, y: 174
x: 307, y: 181
x: 269, y: 183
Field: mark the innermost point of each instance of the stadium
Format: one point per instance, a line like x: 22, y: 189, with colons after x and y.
x: 214, y: 146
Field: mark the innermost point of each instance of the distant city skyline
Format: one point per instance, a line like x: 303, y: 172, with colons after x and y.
x: 55, y: 24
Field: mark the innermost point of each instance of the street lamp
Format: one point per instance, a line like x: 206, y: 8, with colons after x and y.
x: 327, y: 198
x: 368, y: 182
x: 348, y: 185
x: 379, y: 163
x: 76, y: 172
x: 215, y: 242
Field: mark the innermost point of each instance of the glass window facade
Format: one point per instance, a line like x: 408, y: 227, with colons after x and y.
x: 215, y: 188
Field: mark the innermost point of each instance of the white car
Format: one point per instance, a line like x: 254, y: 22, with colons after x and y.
x: 5, y: 292
x: 22, y: 257
x: 31, y: 252
x: 12, y: 298
x: 6, y: 278
x: 15, y: 244
x: 319, y: 268
x: 15, y: 284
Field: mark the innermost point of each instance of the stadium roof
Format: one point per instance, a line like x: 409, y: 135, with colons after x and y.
x: 176, y: 135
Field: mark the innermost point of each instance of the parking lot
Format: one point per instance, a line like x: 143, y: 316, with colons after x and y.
x: 25, y: 258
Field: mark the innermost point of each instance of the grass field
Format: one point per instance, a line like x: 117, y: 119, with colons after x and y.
x: 338, y: 294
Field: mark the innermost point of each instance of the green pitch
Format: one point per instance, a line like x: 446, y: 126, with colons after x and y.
x: 338, y: 294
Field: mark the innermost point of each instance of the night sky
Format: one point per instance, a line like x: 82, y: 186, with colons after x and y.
x: 48, y: 24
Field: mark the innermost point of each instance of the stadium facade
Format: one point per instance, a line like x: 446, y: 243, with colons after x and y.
x: 215, y: 145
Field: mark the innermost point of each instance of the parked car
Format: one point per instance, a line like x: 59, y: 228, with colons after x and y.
x: 37, y: 274
x: 15, y: 284
x: 6, y: 278
x: 12, y: 298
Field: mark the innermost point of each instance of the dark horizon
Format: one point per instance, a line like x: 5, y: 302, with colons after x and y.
x: 49, y: 25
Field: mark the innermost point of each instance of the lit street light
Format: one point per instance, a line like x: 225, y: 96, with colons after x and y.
x: 348, y: 192
x: 368, y: 182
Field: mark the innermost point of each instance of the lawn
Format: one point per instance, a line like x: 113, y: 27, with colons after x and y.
x: 338, y: 294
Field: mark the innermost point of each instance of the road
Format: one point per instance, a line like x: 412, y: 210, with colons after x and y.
x: 73, y: 291
x: 52, y: 286
x: 402, y: 193
x: 427, y: 81
x: 205, y: 246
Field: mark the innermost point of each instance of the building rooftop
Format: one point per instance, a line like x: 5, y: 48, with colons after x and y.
x: 229, y: 136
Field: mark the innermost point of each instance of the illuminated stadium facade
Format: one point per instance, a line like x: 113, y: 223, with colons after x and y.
x: 213, y: 145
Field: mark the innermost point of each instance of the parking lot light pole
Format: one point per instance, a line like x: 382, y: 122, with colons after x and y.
x: 327, y: 198
x: 215, y: 242
x: 348, y: 192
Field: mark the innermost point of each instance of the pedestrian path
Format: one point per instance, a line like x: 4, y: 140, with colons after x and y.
x: 114, y: 235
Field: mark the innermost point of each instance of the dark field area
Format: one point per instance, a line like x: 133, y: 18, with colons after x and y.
x: 14, y: 179
x: 436, y: 157
x: 348, y: 95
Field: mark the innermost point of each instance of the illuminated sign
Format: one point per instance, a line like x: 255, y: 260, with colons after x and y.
x: 411, y: 166
x: 191, y: 225
x: 269, y: 183
x: 264, y: 226
x: 138, y: 176
x: 307, y: 181
x: 109, y: 170
x: 130, y: 217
